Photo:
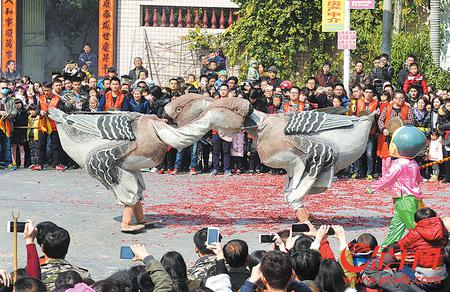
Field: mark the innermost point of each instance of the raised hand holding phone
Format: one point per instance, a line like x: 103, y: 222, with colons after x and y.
x: 212, y: 235
x: 139, y: 251
x: 217, y: 249
x: 30, y: 232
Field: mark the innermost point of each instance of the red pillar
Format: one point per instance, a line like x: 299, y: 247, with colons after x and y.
x: 222, y: 19
x: 188, y: 17
x: 205, y: 18
x: 230, y: 18
x: 213, y: 19
x: 180, y: 17
x: 171, y: 18
x: 147, y: 18
x: 163, y: 18
x: 196, y: 18
x: 155, y: 17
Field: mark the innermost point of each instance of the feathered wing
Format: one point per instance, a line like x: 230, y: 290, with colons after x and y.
x: 105, y: 126
x: 314, y: 121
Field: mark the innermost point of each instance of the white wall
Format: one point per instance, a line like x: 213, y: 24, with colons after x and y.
x: 168, y: 54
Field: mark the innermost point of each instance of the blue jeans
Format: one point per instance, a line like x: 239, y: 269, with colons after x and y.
x: 194, y: 157
x: 369, y: 157
x: 6, y: 146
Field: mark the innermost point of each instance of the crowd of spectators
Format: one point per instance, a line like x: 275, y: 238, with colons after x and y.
x: 30, y: 139
x: 293, y: 262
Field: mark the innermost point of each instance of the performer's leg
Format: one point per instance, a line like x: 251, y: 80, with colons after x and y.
x: 126, y: 225
x: 138, y: 212
x: 403, y: 218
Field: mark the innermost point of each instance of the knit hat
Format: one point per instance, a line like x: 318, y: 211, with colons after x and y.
x: 222, y: 73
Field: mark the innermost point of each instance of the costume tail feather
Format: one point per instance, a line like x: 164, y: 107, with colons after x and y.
x: 57, y: 115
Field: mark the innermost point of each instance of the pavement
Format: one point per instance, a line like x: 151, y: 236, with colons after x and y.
x: 241, y: 206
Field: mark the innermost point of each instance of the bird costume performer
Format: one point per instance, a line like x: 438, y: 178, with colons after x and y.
x: 403, y: 178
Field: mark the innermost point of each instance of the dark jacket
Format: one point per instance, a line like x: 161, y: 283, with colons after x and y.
x: 143, y: 106
x: 135, y: 72
x: 293, y: 286
x: 11, y: 76
x: 238, y: 277
x: 362, y: 79
x: 402, y: 76
x: 443, y: 124
x: 323, y: 80
x: 72, y: 102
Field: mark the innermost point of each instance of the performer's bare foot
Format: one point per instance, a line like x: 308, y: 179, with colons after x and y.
x: 126, y: 225
x: 302, y: 215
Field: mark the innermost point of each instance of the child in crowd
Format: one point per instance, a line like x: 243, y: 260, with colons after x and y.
x: 223, y: 77
x: 337, y: 102
x: 237, y: 151
x: 93, y: 104
x: 33, y: 135
x: 435, y: 152
x: 19, y: 134
x: 253, y: 74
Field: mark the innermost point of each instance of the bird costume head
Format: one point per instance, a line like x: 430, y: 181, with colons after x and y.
x: 407, y: 142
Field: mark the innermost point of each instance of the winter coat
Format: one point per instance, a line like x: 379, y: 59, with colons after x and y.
x: 428, y: 238
x: 416, y: 80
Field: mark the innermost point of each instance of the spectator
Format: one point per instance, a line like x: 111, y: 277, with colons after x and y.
x: 417, y: 79
x: 75, y: 99
x: 139, y: 104
x: 367, y: 104
x: 331, y: 277
x: 403, y: 73
x: 8, y: 113
x: 88, y: 58
x: 29, y: 285
x: 11, y: 74
x: 298, y: 102
x: 381, y: 72
x: 236, y: 256
x: 114, y: 99
x: 55, y: 247
x: 175, y: 266
x: 339, y: 91
x: 359, y: 77
x: 306, y: 263
x: 206, y: 257
x: 324, y: 76
x: 435, y: 112
x: 273, y: 80
x: 397, y: 109
x: 435, y: 152
x: 443, y: 125
x: 134, y: 73
x: 19, y: 134
x: 204, y: 65
x: 262, y: 71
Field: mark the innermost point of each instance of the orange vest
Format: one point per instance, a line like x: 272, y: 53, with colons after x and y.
x: 109, y: 101
x: 287, y: 108
x: 5, y: 126
x: 46, y: 124
x: 361, y: 105
x: 383, y: 147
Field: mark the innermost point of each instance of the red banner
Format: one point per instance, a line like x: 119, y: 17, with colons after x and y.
x: 9, y: 31
x: 105, y: 36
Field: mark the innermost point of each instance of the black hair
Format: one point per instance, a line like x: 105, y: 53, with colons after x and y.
x: 122, y: 279
x: 105, y: 286
x: 339, y: 84
x: 304, y: 91
x: 234, y: 78
x: 310, y: 78
x: 385, y: 92
x: 175, y: 266
x: 9, y: 62
x: 140, y: 279
x: 412, y: 56
x: 47, y: 84
x: 447, y: 101
x: 213, y: 76
x: 21, y: 273
x: 224, y: 85
x: 202, y: 288
x: 200, y: 239
x: 369, y: 239
x: 369, y: 87
x: 29, y: 285
x: 276, y: 267
x: 115, y: 79
x: 43, y: 228
x: 359, y: 62
x: 414, y: 64
x: 56, y: 80
x: 296, y: 87
x: 68, y: 278
x: 236, y: 253
x: 255, y: 258
x: 88, y: 44
x: 306, y: 263
x: 327, y: 63
x: 377, y: 58
x: 203, y: 76
x: 424, y: 213
x: 397, y: 92
x: 385, y: 56
x: 331, y: 276
x: 302, y: 242
x: 56, y: 243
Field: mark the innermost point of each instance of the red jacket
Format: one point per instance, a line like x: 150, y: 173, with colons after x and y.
x: 417, y: 80
x: 427, y: 242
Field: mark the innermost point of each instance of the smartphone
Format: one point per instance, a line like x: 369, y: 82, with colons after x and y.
x: 20, y: 226
x: 266, y: 238
x: 126, y: 253
x: 212, y: 235
x: 296, y: 228
x: 330, y: 231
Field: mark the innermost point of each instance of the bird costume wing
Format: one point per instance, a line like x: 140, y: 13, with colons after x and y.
x: 105, y: 126
x: 313, y: 122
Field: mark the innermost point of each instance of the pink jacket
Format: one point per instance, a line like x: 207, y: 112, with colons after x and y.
x: 403, y: 178
x: 238, y: 144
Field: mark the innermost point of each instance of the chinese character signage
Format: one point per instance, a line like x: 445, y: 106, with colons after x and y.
x: 105, y: 36
x: 362, y: 4
x: 9, y: 29
x: 333, y: 15
x: 347, y: 40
